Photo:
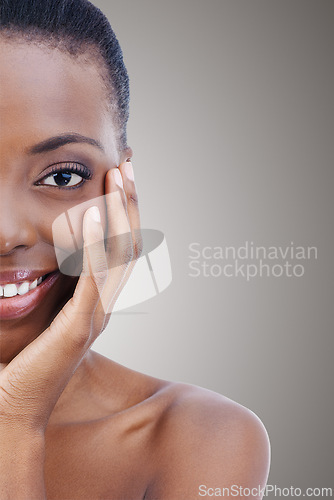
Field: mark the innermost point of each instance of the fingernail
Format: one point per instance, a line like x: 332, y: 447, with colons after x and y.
x: 128, y: 169
x: 95, y: 214
x: 118, y: 177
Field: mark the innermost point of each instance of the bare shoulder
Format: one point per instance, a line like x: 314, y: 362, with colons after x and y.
x: 184, y: 441
x: 207, y: 442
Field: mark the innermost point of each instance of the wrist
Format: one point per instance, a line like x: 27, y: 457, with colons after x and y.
x: 22, y: 465
x: 18, y: 446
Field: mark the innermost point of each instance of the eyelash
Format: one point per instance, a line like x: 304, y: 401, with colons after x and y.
x: 71, y: 168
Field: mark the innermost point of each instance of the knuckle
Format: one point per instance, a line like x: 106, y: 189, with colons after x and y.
x: 138, y: 247
x: 100, y: 266
x: 133, y: 198
x: 127, y: 253
x: 100, y: 277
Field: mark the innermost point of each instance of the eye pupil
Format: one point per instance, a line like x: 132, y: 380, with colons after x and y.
x: 62, y: 178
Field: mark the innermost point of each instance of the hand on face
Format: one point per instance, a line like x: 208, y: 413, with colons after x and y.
x: 32, y: 382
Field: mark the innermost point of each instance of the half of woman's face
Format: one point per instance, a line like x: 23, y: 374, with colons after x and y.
x: 53, y: 118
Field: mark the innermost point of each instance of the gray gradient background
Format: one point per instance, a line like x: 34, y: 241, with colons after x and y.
x: 232, y: 129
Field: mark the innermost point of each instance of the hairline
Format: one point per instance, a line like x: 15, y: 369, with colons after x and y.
x: 88, y: 52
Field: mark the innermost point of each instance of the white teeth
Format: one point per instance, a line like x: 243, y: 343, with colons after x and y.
x: 24, y: 288
x: 10, y: 290
x: 33, y: 285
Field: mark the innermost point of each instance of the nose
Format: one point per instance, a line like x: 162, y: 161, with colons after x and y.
x: 16, y: 224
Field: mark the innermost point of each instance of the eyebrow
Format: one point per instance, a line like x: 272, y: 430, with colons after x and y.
x: 61, y: 140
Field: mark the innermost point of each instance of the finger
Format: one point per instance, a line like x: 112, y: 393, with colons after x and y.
x: 133, y: 215
x: 126, y: 170
x: 95, y: 266
x: 76, y: 315
x: 117, y: 218
x: 119, y: 246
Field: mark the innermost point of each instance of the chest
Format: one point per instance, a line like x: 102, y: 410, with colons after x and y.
x: 96, y: 461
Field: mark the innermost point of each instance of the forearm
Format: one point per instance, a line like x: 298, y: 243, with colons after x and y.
x: 22, y: 467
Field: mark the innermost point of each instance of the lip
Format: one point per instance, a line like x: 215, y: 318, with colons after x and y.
x: 18, y: 276
x: 20, y: 306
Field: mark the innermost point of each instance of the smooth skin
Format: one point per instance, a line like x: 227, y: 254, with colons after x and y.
x: 74, y: 424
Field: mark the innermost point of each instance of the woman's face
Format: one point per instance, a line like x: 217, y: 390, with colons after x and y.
x: 45, y: 95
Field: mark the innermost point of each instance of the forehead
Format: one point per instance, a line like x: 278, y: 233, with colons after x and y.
x: 45, y: 92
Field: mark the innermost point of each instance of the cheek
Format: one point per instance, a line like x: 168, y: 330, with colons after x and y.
x: 67, y: 235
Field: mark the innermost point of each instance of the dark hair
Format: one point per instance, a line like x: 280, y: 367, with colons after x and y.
x: 75, y: 26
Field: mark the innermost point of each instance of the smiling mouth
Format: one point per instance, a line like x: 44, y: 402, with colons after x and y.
x: 21, y: 288
x: 21, y: 298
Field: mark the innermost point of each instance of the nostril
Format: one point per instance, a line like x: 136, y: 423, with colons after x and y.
x: 10, y: 252
x: 7, y: 254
